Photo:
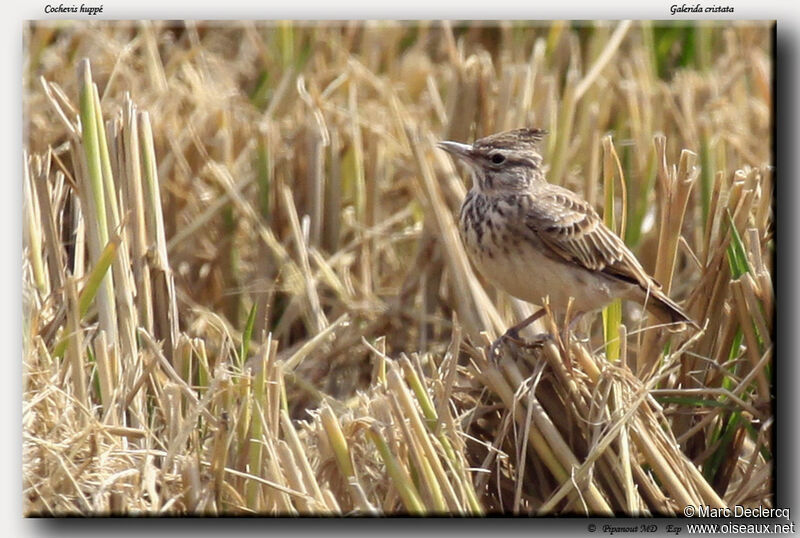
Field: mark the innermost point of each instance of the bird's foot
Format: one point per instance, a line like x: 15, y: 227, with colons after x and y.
x: 512, y: 336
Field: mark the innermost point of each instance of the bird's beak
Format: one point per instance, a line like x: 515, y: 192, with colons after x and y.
x: 458, y: 149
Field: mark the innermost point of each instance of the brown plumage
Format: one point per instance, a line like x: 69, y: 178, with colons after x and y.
x: 537, y: 240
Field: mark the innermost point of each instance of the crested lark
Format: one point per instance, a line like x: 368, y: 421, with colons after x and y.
x: 536, y: 240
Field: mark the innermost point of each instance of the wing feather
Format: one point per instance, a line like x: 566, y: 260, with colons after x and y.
x: 572, y: 230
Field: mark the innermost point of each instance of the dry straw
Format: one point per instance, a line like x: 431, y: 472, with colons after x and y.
x: 244, y: 291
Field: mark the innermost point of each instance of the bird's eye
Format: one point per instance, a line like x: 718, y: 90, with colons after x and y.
x: 498, y: 158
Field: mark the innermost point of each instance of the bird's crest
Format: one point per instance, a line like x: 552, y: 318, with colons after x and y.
x: 516, y: 139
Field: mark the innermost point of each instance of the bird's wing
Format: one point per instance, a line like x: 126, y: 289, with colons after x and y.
x: 571, y: 229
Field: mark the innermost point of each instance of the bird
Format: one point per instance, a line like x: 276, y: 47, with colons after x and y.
x: 541, y: 242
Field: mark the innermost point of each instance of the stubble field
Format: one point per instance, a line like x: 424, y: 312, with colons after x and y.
x: 244, y: 292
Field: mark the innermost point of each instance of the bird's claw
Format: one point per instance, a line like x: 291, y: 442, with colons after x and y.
x: 512, y: 337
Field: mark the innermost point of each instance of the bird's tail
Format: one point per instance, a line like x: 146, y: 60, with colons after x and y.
x: 668, y: 311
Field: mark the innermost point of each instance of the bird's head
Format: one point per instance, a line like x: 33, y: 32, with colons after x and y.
x: 503, y: 162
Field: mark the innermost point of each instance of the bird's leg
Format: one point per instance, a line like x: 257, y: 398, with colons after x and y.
x: 570, y: 327
x: 567, y: 331
x: 512, y: 334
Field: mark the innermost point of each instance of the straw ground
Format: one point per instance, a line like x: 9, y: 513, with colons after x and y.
x: 244, y: 292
